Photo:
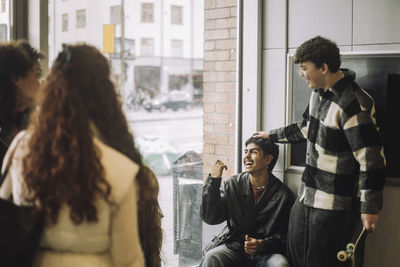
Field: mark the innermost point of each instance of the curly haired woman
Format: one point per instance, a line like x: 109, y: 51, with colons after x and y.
x: 20, y: 72
x: 79, y: 162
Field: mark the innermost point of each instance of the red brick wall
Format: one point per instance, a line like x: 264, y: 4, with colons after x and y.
x: 219, y: 83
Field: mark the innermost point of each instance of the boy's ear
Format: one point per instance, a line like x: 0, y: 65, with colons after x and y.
x: 324, y: 68
x: 269, y: 158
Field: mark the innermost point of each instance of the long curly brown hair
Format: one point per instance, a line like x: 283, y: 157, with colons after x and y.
x: 79, y: 93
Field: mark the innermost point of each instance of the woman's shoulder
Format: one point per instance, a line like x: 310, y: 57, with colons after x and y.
x: 17, y: 148
x: 119, y: 170
x: 12, y: 162
x: 22, y: 135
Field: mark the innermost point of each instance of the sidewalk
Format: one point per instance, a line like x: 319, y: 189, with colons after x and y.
x: 142, y: 115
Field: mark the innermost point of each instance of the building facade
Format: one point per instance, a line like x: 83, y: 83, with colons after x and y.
x: 163, y: 46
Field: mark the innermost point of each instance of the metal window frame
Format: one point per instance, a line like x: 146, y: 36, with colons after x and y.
x: 29, y: 21
x: 249, y: 82
x: 19, y: 19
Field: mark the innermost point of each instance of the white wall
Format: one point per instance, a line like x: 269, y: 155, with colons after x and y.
x: 356, y: 25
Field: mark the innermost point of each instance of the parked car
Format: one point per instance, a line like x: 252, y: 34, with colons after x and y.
x: 173, y: 100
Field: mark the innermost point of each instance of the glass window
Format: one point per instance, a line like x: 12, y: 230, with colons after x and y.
x: 147, y: 12
x: 5, y: 21
x: 3, y: 32
x: 162, y: 99
x: 147, y: 46
x: 3, y: 6
x: 115, y: 14
x: 65, y: 22
x: 176, y: 48
x: 176, y: 14
x: 81, y: 18
x: 130, y: 49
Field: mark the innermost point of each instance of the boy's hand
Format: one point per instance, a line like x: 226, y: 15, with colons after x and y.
x: 263, y: 135
x: 369, y: 221
x: 253, y: 246
x: 218, y: 169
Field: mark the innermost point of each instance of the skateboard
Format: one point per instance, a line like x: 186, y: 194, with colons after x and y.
x: 354, y: 251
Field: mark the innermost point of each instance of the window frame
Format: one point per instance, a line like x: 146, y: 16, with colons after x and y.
x: 143, y: 52
x: 80, y: 16
x: 176, y: 15
x: 147, y: 12
x: 174, y: 48
x: 114, y: 18
x: 64, y: 22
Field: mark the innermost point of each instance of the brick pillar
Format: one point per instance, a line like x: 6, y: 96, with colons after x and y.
x: 219, y: 85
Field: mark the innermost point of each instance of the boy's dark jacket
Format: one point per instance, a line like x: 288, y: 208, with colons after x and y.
x: 235, y: 198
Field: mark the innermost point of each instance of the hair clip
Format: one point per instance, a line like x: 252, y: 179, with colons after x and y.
x: 65, y: 55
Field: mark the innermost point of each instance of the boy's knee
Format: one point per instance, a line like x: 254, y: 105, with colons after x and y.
x: 277, y: 260
x: 209, y: 259
x: 219, y: 257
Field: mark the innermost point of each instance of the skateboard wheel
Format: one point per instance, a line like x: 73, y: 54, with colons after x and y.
x: 342, y: 256
x: 350, y: 246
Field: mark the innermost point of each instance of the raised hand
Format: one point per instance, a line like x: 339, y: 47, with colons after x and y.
x: 218, y: 169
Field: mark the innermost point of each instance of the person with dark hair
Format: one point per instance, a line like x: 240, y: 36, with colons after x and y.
x: 345, y: 163
x: 256, y: 206
x: 20, y: 73
x: 77, y: 162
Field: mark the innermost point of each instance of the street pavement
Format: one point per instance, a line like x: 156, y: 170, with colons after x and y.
x: 145, y: 116
x: 167, y: 135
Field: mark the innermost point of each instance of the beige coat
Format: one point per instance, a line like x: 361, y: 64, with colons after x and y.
x: 112, y: 241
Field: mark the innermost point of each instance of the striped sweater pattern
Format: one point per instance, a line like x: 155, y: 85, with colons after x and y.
x: 345, y: 162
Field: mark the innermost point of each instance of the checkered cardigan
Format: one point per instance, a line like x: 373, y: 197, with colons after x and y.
x: 345, y: 163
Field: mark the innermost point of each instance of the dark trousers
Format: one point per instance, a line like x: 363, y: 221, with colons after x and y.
x: 315, y: 236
